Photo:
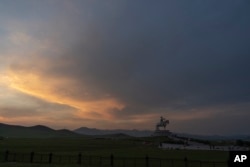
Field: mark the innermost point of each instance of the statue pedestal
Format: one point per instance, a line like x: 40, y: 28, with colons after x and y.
x: 161, y: 133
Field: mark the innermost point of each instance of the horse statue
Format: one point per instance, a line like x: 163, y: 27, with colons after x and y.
x: 163, y: 123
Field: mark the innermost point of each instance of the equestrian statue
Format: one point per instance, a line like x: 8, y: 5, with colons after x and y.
x: 163, y: 123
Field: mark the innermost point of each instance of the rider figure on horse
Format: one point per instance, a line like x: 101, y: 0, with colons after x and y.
x: 163, y: 123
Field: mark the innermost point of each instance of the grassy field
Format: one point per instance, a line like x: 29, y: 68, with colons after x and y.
x: 89, y: 146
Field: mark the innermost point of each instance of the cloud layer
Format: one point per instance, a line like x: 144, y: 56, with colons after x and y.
x: 124, y: 63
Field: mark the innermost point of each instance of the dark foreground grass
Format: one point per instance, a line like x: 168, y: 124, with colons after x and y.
x: 104, y: 147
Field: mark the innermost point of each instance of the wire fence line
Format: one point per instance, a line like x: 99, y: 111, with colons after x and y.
x: 108, y: 161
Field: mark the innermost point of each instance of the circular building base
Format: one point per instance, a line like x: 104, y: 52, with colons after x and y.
x: 161, y: 133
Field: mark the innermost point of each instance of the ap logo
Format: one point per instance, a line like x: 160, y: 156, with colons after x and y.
x: 239, y: 159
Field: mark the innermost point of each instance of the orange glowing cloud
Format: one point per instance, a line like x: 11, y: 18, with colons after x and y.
x: 57, y: 90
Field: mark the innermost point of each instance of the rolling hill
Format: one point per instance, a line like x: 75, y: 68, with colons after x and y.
x: 38, y: 131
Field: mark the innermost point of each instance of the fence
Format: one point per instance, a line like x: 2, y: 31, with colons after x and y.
x: 99, y: 161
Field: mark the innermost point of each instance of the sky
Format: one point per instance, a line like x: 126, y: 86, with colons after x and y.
x: 121, y: 64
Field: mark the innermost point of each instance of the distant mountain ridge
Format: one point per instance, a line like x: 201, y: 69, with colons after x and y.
x: 94, y: 131
x: 38, y: 131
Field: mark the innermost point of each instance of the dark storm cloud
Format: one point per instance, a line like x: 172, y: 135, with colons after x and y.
x: 167, y: 53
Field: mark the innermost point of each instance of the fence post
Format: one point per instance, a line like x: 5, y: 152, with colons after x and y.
x: 111, y: 160
x: 186, y: 162
x: 90, y: 160
x: 100, y: 161
x: 228, y: 162
x: 146, y: 160
x: 50, y: 158
x: 6, y: 156
x: 79, y: 158
x: 14, y: 158
x: 123, y: 160
x: 60, y: 159
x: 31, y: 157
